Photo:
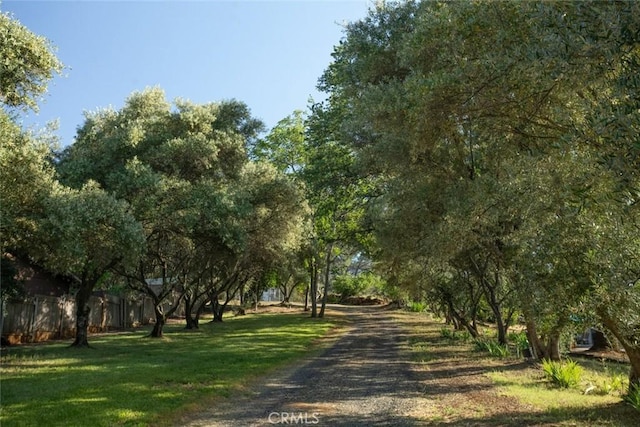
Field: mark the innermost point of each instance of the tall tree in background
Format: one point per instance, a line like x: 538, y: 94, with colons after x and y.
x: 212, y: 218
x: 308, y: 152
x: 158, y: 159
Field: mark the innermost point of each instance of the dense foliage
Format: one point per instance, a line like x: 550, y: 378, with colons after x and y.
x: 504, y: 135
x: 480, y: 158
x: 28, y: 63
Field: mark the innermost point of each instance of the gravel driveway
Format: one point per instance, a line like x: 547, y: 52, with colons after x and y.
x: 364, y: 378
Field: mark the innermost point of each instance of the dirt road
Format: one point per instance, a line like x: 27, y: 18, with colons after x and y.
x: 365, y: 378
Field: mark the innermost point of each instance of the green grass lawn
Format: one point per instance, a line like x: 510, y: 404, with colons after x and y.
x: 130, y: 379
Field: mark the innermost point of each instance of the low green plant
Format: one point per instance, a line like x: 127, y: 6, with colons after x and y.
x: 519, y: 341
x: 417, y: 307
x: 563, y: 374
x: 633, y: 396
x: 447, y: 333
x: 454, y: 335
x: 616, y: 383
x: 492, y: 347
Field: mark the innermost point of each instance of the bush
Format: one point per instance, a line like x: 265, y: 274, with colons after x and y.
x: 492, y: 347
x: 447, y: 333
x: 452, y: 335
x: 347, y: 285
x: 366, y: 283
x: 417, y: 306
x: 520, y: 341
x: 564, y: 375
x: 633, y: 397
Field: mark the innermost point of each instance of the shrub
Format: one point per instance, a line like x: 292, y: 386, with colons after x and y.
x: 417, y: 306
x: 492, y: 347
x: 365, y: 283
x: 347, y: 285
x: 633, y: 396
x: 453, y: 335
x: 447, y: 333
x: 564, y: 375
x: 616, y: 384
x: 520, y: 341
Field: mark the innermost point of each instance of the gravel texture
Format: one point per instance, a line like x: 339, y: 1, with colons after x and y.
x: 365, y: 378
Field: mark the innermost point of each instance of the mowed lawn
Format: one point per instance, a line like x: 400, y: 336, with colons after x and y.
x: 130, y: 379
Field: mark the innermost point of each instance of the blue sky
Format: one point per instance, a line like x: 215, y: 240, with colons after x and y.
x: 268, y: 54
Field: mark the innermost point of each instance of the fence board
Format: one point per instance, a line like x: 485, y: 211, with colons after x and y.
x: 40, y: 318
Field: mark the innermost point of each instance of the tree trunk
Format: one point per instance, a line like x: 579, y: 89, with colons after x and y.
x: 287, y: 297
x: 634, y: 373
x: 460, y: 321
x: 306, y: 298
x: 314, y: 289
x: 82, y: 313
x: 490, y: 297
x: 553, y: 346
x: 189, y: 305
x: 327, y: 277
x: 532, y: 336
x: 160, y: 321
x: 217, y: 309
x: 502, y: 333
x: 543, y: 346
x: 192, y: 322
x: 629, y: 343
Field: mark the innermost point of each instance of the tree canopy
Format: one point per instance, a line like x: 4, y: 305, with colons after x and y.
x: 28, y: 63
x: 484, y: 155
x: 503, y: 137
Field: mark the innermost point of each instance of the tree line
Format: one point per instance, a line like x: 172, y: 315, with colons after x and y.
x: 483, y: 155
x: 503, y: 140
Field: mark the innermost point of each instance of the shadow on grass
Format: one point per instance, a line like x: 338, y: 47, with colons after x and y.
x: 454, y: 368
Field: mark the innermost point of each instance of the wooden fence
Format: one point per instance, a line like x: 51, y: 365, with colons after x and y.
x: 42, y: 318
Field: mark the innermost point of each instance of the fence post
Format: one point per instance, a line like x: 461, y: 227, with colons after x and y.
x: 32, y: 326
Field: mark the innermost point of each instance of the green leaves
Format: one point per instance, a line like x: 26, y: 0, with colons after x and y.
x: 87, y: 230
x: 26, y: 178
x: 501, y: 136
x: 27, y: 63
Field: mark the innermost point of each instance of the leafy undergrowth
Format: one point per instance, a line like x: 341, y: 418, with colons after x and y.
x: 565, y: 374
x: 130, y: 379
x: 633, y: 397
x: 471, y: 387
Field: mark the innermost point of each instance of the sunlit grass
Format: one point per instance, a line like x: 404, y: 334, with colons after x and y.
x: 132, y: 379
x: 529, y: 387
x: 596, y: 400
x: 587, y: 402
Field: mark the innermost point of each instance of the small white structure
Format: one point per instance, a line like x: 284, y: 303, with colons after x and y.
x: 271, y: 295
